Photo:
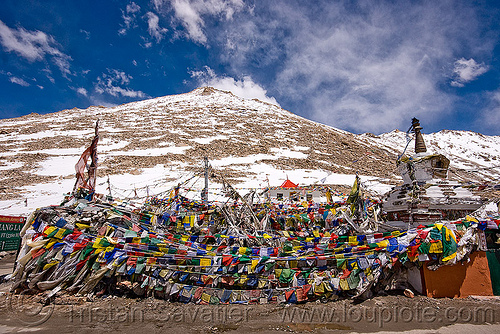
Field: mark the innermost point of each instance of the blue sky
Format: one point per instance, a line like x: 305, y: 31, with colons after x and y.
x: 361, y: 66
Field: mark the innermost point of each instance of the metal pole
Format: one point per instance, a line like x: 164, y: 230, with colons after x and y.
x: 109, y: 188
x: 204, y: 194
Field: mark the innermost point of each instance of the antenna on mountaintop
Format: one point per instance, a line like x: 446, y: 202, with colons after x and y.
x: 204, y: 193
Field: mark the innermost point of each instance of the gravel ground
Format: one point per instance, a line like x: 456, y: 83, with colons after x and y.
x: 392, y: 313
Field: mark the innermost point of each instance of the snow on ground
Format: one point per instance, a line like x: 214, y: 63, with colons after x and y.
x: 208, y: 140
x: 40, y: 195
x: 455, y: 145
x: 11, y: 165
x: 58, y: 166
x: 216, y: 118
x: 158, y: 180
x: 44, y: 134
x: 286, y: 153
x: 106, y: 145
x: 59, y: 151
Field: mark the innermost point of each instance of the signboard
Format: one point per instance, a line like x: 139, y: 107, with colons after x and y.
x: 9, y: 232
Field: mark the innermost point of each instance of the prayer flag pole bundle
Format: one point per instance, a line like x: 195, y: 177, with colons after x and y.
x: 87, y: 248
x: 180, y: 249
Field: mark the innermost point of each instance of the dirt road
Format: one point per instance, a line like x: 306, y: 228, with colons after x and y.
x: 393, y: 313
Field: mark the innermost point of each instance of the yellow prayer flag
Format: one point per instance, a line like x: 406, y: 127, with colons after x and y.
x: 329, y: 196
x: 51, y: 243
x: 319, y: 289
x: 49, y: 230
x: 99, y: 250
x: 205, y: 297
x: 254, y: 265
x: 59, y: 234
x: 50, y: 264
x: 449, y: 257
x: 471, y: 219
x: 97, y: 243
x: 383, y: 243
x: 436, y: 247
x: 343, y: 284
x: 82, y: 226
x: 205, y: 262
x: 450, y: 234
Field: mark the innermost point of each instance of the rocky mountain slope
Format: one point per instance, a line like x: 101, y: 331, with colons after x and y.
x: 150, y: 145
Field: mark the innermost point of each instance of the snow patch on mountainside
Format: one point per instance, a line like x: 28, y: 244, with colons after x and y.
x: 148, y: 147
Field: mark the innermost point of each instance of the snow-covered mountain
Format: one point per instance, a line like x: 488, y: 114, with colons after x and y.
x: 146, y: 147
x: 473, y: 156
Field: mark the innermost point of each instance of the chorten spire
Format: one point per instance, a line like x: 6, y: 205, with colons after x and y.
x: 419, y: 140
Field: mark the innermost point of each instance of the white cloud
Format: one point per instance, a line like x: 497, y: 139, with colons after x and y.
x: 133, y: 8
x: 19, y: 81
x: 191, y: 12
x: 110, y: 83
x: 129, y: 17
x: 245, y: 88
x: 153, y: 27
x: 99, y: 101
x: 490, y: 115
x: 82, y: 91
x: 371, y: 68
x: 466, y: 71
x: 86, y: 33
x: 33, y: 46
x: 158, y: 4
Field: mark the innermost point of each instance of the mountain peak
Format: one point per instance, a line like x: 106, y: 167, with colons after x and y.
x: 151, y: 144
